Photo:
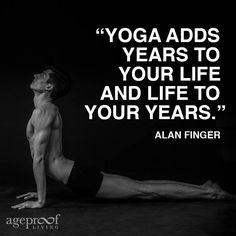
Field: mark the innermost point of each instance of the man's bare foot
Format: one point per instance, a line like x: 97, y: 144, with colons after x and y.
x: 216, y: 192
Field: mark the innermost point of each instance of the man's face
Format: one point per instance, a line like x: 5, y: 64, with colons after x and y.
x: 40, y: 82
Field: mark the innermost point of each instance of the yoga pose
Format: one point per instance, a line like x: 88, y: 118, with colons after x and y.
x: 44, y: 133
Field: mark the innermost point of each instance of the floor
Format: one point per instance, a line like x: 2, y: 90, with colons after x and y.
x: 113, y: 218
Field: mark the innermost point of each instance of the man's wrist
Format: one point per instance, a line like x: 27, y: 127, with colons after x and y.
x: 41, y: 202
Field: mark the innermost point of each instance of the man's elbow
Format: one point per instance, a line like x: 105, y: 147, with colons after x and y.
x: 38, y: 160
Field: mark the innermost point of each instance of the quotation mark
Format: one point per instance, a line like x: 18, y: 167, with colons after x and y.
x: 220, y: 107
x: 100, y: 31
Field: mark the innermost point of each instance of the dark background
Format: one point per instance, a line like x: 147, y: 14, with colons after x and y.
x: 35, y: 34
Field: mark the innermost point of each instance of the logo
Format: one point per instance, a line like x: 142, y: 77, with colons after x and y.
x: 34, y: 222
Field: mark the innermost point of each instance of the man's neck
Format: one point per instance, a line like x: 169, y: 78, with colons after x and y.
x: 41, y: 99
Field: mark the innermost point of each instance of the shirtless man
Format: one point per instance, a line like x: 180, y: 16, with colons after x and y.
x: 44, y: 133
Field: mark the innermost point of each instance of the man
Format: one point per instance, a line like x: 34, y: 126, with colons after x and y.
x: 44, y: 132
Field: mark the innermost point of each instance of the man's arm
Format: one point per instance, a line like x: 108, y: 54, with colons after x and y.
x: 43, y: 126
x: 44, y: 121
x: 29, y: 134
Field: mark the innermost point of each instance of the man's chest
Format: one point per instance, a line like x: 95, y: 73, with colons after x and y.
x: 31, y: 125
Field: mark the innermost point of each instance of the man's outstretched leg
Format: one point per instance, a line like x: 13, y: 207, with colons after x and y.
x: 121, y: 187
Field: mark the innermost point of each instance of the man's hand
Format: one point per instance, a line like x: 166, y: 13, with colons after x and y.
x: 28, y: 204
x: 28, y: 195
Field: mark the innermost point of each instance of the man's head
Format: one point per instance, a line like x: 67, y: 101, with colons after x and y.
x: 53, y: 81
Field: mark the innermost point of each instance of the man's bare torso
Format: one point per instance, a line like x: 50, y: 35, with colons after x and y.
x: 56, y: 165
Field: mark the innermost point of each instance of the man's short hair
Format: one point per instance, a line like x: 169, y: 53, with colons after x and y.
x: 60, y: 80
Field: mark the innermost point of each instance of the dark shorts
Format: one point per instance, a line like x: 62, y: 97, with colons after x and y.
x: 85, y: 180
